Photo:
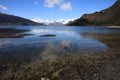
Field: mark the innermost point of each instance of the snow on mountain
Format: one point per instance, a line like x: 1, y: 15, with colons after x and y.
x: 47, y: 21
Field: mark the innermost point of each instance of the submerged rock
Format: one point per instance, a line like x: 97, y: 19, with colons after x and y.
x: 48, y: 35
x: 12, y: 33
x: 45, y: 78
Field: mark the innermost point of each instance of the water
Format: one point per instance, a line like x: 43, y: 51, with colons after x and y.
x: 68, y: 40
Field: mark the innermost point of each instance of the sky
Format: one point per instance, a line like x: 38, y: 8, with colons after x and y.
x: 53, y: 9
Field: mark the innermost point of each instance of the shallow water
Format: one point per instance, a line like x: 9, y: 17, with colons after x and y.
x: 67, y: 40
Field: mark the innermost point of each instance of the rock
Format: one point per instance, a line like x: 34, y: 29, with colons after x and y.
x: 13, y: 33
x: 48, y: 35
x: 43, y: 78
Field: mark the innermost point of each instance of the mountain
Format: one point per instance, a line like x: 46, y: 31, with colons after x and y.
x: 56, y: 24
x: 59, y: 22
x: 107, y: 17
x: 6, y: 19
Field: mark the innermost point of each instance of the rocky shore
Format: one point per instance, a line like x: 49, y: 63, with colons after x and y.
x: 94, y: 66
x: 100, y: 65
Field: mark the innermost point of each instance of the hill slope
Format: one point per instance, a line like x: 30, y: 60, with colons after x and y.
x: 107, y: 17
x: 6, y: 19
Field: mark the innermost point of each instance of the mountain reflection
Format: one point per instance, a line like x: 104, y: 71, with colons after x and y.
x: 3, y: 42
x: 51, y: 31
x: 103, y: 38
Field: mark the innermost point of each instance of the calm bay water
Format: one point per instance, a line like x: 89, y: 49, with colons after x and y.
x: 68, y: 40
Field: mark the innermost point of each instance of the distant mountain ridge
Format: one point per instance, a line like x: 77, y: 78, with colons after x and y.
x: 48, y: 22
x: 56, y: 24
x: 6, y: 19
x: 107, y: 17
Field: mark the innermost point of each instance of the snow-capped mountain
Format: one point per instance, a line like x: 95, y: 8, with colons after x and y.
x: 59, y: 22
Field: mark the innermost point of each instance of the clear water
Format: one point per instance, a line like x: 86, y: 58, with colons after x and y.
x: 68, y: 40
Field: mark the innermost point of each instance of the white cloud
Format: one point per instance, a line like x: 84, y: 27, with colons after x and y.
x: 36, y: 3
x: 3, y: 7
x: 52, y: 3
x: 66, y: 6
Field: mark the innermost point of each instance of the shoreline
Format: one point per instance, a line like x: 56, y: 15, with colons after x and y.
x: 101, y: 65
x: 113, y: 27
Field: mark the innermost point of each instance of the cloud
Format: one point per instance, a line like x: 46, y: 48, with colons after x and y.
x: 52, y: 3
x: 66, y: 6
x: 3, y: 7
x: 36, y: 3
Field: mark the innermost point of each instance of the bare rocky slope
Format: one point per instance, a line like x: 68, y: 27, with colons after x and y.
x: 107, y: 17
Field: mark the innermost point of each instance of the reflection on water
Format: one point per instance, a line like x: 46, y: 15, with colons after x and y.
x: 112, y: 40
x: 12, y: 33
x: 51, y: 31
x: 68, y: 40
x: 69, y: 36
x: 4, y: 42
x: 20, y: 45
